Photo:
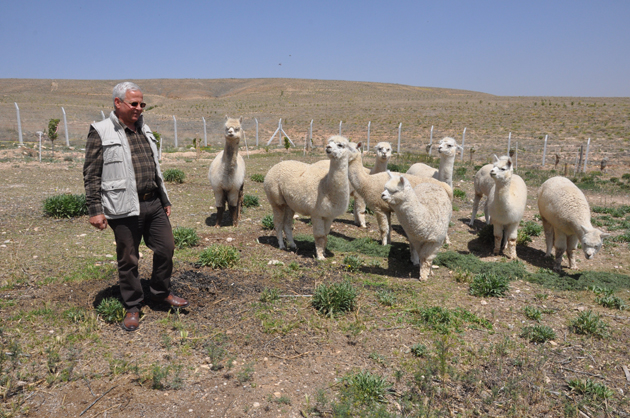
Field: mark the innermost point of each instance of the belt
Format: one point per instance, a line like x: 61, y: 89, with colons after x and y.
x: 147, y: 196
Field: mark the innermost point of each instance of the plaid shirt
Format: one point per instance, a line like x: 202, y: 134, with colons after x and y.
x: 143, y: 167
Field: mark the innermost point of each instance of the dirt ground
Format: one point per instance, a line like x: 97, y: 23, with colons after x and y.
x: 230, y: 355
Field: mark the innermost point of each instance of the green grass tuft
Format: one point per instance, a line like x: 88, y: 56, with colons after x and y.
x: 365, y: 388
x: 333, y: 299
x: 352, y: 263
x: 185, y: 237
x: 538, y: 333
x: 267, y: 222
x: 589, y: 323
x: 489, y: 285
x: 219, y: 256
x: 258, y: 178
x: 65, y: 206
x: 111, y: 310
x: 174, y: 175
x: 591, y: 389
x: 269, y: 295
x: 250, y: 201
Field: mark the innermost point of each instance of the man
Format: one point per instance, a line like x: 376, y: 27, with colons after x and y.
x: 125, y: 189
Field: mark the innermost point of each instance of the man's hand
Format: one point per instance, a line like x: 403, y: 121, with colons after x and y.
x: 99, y: 221
x: 167, y: 209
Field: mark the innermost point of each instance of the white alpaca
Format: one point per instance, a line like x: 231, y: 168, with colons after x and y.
x: 383, y: 154
x: 322, y: 194
x: 566, y: 218
x: 506, y: 205
x: 424, y: 212
x: 227, y: 173
x: 448, y: 151
x: 483, y: 184
x: 370, y: 187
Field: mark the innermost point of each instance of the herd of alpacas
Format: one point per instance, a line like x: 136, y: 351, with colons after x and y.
x: 421, y: 198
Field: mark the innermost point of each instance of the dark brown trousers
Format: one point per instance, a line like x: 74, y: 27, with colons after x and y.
x: 155, y: 227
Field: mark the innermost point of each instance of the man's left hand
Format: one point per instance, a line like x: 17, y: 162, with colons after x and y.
x: 167, y: 209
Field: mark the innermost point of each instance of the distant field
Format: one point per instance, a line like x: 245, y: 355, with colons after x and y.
x: 568, y: 121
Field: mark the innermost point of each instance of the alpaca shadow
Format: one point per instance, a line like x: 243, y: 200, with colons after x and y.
x: 226, y: 221
x: 113, y: 291
x: 305, y: 248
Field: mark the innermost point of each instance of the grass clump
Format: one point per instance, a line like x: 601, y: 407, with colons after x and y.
x: 386, y: 298
x: 533, y: 313
x: 443, y: 320
x: 75, y: 314
x: 250, y: 201
x: 65, y: 206
x: 538, y: 333
x: 607, y: 299
x: 589, y: 323
x: 269, y: 295
x: 174, y: 175
x: 219, y: 256
x: 330, y: 300
x: 267, y: 222
x: 258, y: 178
x: 365, y: 388
x: 111, y: 310
x: 419, y: 350
x: 489, y: 285
x: 185, y: 237
x: 460, y: 194
x: 352, y: 263
x: 591, y: 389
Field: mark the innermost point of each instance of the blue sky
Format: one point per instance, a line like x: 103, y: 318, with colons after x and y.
x: 524, y: 48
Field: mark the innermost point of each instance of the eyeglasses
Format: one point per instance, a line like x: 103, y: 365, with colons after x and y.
x: 135, y: 104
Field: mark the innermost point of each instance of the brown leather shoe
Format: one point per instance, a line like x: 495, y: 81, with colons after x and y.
x: 131, y: 321
x: 174, y: 301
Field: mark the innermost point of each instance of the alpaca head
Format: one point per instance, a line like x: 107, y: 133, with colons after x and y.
x: 592, y: 241
x: 233, y: 130
x: 448, y: 147
x: 383, y: 151
x: 339, y: 147
x: 502, y: 170
x: 394, y: 189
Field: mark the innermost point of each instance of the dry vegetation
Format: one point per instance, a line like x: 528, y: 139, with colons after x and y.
x: 251, y: 343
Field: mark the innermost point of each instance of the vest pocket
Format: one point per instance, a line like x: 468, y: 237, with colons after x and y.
x: 112, y: 152
x: 113, y: 197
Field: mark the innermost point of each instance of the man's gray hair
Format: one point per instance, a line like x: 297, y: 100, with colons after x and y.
x: 120, y: 90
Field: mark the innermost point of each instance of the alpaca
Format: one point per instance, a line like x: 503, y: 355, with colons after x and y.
x: 506, y: 205
x: 448, y: 151
x: 483, y: 184
x: 312, y: 190
x: 370, y: 187
x: 424, y: 212
x: 566, y: 218
x: 383, y: 154
x: 227, y: 173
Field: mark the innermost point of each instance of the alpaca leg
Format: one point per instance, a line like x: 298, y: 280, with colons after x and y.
x: 235, y: 204
x: 474, y: 209
x: 498, y: 237
x: 220, y: 199
x: 511, y: 232
x: 288, y: 227
x: 320, y: 234
x: 359, y: 210
x: 427, y: 252
x: 278, y: 223
x: 560, y: 242
x: 548, y: 236
x: 383, y: 226
x: 486, y: 212
x: 415, y: 259
x: 572, y: 242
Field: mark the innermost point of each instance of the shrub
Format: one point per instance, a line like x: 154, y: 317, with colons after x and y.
x: 366, y: 388
x: 185, y: 237
x: 258, y: 178
x: 460, y: 194
x: 533, y: 313
x: 589, y: 323
x: 531, y: 228
x: 65, y: 206
x: 538, y: 333
x: 419, y: 350
x: 111, y: 310
x: 522, y: 238
x: 219, y: 256
x: 174, y: 175
x: 267, y: 222
x: 489, y: 285
x: 250, y: 201
x: 330, y: 300
x: 352, y: 263
x: 611, y: 302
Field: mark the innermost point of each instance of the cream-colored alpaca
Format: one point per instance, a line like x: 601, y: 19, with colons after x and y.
x: 483, y: 184
x: 566, y: 218
x: 322, y: 194
x: 383, y: 152
x: 506, y: 205
x: 227, y: 173
x: 424, y: 212
x: 447, y: 149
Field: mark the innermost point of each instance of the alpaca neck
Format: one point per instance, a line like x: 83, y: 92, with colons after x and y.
x: 337, y: 177
x: 357, y: 175
x: 230, y: 152
x: 502, y: 190
x: 379, y: 166
x: 445, y: 172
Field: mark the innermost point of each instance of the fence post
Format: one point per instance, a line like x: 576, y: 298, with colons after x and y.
x: 431, y: 140
x: 175, y: 128
x: 103, y: 115
x: 340, y: 122
x: 368, y: 139
x: 516, y: 157
x: 509, y: 140
x: 310, y: 134
x: 65, y: 125
x: 588, y: 144
x: 205, y: 133
x: 577, y: 162
x: 399, y: 129
x: 256, y: 132
x: 17, y: 109
x: 40, y: 133
x: 544, y: 151
x: 463, y: 141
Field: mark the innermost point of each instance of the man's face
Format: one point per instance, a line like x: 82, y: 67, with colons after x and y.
x: 127, y: 113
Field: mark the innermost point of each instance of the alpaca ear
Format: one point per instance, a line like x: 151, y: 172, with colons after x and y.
x: 227, y: 117
x: 389, y: 173
x: 404, y: 182
x: 359, y: 146
x: 604, y: 235
x: 459, y: 147
x: 240, y: 120
x: 495, y: 158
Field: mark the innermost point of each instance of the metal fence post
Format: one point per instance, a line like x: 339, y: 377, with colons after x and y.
x: 175, y: 128
x: 17, y: 109
x: 588, y: 144
x: 399, y: 129
x: 431, y: 141
x: 340, y: 122
x: 509, y: 140
x: 256, y: 132
x: 544, y: 151
x: 463, y: 141
x: 65, y: 125
x: 368, y: 138
x: 205, y: 133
